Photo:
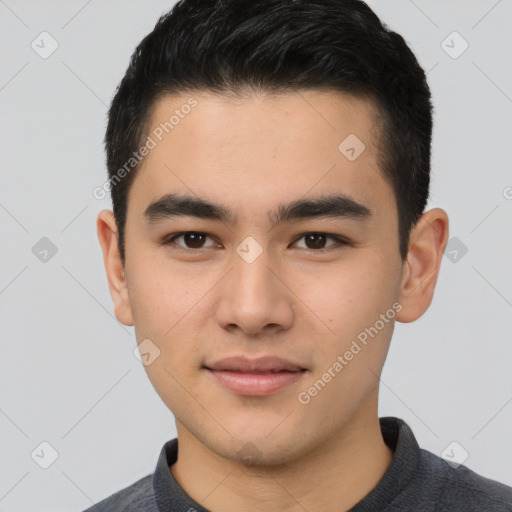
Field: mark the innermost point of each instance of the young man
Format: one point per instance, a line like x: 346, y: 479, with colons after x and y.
x: 269, y: 169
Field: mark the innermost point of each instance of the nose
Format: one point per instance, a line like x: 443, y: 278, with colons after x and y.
x: 254, y: 299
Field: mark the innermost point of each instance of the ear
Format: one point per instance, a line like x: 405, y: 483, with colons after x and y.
x: 426, y: 248
x: 108, y: 237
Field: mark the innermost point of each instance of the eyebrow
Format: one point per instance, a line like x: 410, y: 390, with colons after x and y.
x: 332, y: 206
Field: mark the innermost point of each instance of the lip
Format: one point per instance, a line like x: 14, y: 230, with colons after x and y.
x: 255, y: 377
x: 258, y: 365
x: 256, y: 384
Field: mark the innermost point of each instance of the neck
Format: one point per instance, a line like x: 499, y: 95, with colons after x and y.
x: 334, y: 476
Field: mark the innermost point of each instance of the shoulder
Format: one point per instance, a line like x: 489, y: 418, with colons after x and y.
x: 137, y: 496
x: 460, y: 488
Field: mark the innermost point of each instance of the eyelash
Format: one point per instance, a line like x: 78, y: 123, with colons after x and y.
x: 340, y: 242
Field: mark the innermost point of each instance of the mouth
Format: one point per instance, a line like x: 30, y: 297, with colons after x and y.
x: 258, y: 377
x: 269, y: 364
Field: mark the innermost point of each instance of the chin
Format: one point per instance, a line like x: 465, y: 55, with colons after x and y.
x: 254, y: 450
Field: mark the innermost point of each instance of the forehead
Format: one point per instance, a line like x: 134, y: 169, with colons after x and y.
x: 262, y: 148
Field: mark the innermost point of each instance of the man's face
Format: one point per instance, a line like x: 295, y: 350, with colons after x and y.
x: 250, y: 286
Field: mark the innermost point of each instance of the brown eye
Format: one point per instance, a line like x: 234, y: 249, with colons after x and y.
x: 194, y: 240
x: 191, y: 240
x: 317, y: 241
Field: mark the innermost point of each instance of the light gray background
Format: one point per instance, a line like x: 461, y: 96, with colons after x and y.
x: 68, y: 373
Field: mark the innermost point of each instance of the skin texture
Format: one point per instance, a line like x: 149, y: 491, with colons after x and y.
x: 293, y: 301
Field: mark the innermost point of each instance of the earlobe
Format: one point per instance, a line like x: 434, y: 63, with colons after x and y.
x: 426, y: 248
x: 108, y: 238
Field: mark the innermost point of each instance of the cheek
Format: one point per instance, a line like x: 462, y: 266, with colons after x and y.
x: 168, y: 307
x: 342, y: 295
x: 161, y: 296
x: 347, y: 302
x: 164, y: 312
x: 352, y: 358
